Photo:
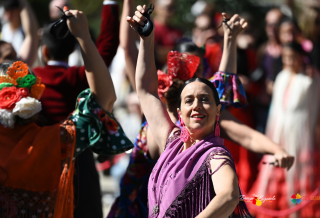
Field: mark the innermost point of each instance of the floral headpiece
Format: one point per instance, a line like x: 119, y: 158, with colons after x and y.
x: 180, y: 66
x: 19, y: 94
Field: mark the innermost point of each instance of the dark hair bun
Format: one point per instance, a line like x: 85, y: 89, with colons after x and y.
x: 173, y: 94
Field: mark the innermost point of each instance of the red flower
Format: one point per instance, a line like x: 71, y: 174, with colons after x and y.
x: 164, y: 83
x: 111, y: 125
x: 9, y: 96
x: 100, y: 113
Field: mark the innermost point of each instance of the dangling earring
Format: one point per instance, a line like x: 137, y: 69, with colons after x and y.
x: 184, y: 132
x: 217, y: 130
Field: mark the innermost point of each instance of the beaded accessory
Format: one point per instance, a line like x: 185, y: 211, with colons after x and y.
x: 19, y: 94
x: 184, y: 131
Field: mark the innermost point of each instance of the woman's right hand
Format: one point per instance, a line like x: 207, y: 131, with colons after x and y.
x: 139, y: 19
x: 283, y: 159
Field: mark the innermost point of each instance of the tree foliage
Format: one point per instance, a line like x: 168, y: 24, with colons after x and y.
x: 182, y: 18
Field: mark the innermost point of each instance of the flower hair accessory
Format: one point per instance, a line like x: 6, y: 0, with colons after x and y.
x: 181, y: 65
x: 164, y: 83
x: 19, y: 94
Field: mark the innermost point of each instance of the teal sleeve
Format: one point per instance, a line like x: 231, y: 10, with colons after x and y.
x: 97, y: 128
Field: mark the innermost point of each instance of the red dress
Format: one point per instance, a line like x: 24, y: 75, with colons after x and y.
x: 63, y: 84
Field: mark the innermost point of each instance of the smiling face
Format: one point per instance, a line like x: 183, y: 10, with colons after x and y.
x: 198, y: 109
x: 288, y: 33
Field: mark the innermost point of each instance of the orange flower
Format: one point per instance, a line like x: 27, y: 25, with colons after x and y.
x: 38, y: 81
x: 37, y: 90
x: 18, y: 69
x: 7, y: 79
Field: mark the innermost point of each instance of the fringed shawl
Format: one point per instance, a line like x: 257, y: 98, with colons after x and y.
x: 180, y: 184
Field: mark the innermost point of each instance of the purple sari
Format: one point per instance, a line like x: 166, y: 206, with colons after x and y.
x: 180, y: 184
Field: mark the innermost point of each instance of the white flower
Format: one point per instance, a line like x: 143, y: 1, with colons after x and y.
x: 27, y: 107
x: 6, y: 118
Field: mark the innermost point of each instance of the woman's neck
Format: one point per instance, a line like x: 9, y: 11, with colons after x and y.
x: 194, y: 139
x: 295, y: 71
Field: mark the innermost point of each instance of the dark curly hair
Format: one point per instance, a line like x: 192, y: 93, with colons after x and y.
x: 173, y: 93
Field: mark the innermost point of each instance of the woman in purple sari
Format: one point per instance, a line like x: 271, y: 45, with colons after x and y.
x: 195, y: 174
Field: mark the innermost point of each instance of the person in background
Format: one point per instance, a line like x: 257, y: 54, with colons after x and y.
x: 309, y: 23
x: 289, y: 32
x: 75, y: 58
x: 37, y: 163
x: 132, y: 201
x: 292, y: 122
x: 18, y: 44
x: 12, y: 31
x: 205, y: 35
x: 63, y: 84
x: 267, y: 55
x: 165, y: 35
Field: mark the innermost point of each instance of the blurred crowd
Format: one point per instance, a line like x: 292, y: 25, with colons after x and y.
x: 278, y: 65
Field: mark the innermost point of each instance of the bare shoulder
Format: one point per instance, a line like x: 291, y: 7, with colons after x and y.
x: 219, y: 161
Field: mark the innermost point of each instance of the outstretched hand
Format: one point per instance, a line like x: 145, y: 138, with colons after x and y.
x: 233, y: 26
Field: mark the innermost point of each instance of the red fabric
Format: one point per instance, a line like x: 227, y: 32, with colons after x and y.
x: 62, y: 88
x: 181, y: 65
x: 166, y: 35
x: 164, y: 83
x: 108, y: 39
x: 64, y: 85
x: 278, y: 186
x: 30, y: 157
x: 213, y: 55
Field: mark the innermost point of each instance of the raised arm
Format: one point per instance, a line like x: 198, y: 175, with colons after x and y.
x: 252, y: 140
x: 127, y: 41
x: 108, y: 39
x: 147, y: 85
x: 229, y: 56
x: 28, y: 50
x: 97, y: 73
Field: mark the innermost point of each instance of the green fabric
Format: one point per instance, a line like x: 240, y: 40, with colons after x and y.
x: 97, y: 128
x: 4, y: 85
x: 26, y: 81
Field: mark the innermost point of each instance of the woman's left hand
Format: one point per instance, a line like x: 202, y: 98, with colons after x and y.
x: 283, y: 159
x: 234, y: 26
x: 139, y: 20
